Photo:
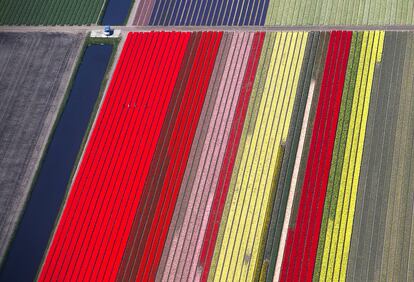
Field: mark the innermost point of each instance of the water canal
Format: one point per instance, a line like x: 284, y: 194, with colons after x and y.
x: 32, y: 236
x: 116, y: 12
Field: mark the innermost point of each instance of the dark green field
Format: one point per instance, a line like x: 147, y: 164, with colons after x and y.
x: 50, y: 12
x: 382, y: 240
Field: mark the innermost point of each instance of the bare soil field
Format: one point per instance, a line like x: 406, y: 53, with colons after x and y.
x: 35, y: 70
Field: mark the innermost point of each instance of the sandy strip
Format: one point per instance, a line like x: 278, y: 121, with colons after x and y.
x: 294, y: 181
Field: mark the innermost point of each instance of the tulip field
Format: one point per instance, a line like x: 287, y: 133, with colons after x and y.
x: 210, y: 140
x: 245, y: 156
x: 350, y: 233
x: 384, y: 199
x: 215, y: 12
x: 275, y: 13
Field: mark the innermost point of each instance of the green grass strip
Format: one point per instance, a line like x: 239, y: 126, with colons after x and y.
x: 50, y: 12
x: 317, y: 74
x: 261, y: 266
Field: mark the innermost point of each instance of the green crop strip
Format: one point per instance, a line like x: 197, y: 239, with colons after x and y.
x: 262, y: 265
x: 340, y: 12
x: 50, y: 12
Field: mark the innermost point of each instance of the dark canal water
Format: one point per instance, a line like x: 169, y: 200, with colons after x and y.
x: 32, y: 236
x: 116, y: 12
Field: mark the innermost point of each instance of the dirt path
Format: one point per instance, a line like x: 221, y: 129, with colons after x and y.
x: 131, y: 28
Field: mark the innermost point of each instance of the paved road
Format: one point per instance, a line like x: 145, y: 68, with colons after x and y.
x: 129, y: 28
